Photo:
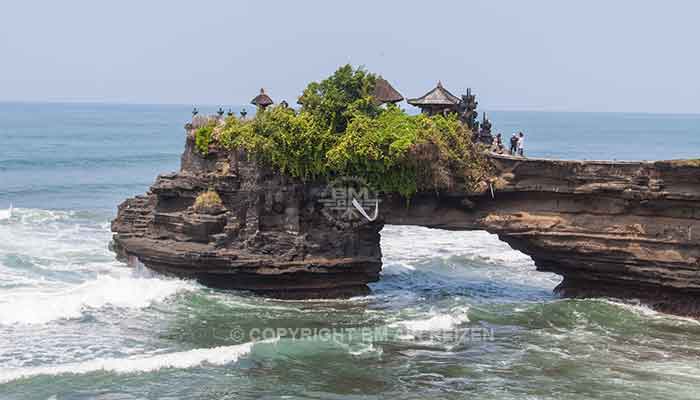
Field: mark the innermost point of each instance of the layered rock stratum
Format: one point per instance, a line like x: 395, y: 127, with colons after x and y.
x: 628, y: 230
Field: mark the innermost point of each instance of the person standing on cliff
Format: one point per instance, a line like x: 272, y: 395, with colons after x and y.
x: 521, y: 144
x: 514, y: 144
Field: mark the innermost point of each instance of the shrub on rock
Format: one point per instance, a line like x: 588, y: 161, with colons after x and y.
x: 208, y: 202
x: 340, y: 131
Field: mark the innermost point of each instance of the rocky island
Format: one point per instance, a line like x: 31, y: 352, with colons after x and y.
x: 266, y: 203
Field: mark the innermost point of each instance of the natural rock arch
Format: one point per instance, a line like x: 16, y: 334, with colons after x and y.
x: 620, y: 229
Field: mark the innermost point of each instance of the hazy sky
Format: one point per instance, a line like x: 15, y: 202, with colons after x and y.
x: 594, y: 55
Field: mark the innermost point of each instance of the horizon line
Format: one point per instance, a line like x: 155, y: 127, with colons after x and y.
x: 121, y: 103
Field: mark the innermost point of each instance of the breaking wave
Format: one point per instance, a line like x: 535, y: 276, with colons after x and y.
x: 122, y: 291
x: 435, y: 322
x: 221, y: 355
x: 404, y: 246
x: 56, y: 265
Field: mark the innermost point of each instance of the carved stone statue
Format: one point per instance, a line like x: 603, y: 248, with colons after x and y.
x: 485, y: 135
x: 467, y: 111
x: 486, y: 125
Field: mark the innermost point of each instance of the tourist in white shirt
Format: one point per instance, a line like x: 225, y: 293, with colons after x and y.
x: 521, y: 144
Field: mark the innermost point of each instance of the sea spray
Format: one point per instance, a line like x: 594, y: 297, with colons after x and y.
x: 121, y: 290
x: 59, y: 267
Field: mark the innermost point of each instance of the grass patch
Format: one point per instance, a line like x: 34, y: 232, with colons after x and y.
x: 208, y: 202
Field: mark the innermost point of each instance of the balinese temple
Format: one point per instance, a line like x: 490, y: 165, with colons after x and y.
x: 262, y: 100
x: 437, y: 101
x: 385, y: 93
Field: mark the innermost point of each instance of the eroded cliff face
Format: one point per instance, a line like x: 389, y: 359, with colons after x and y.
x: 269, y: 237
x: 626, y: 230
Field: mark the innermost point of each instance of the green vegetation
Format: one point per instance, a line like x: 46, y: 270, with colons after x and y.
x: 342, y: 96
x: 207, y: 201
x: 340, y: 130
x: 203, y: 138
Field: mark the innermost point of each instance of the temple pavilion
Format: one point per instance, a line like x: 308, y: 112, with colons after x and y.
x: 262, y: 100
x: 436, y: 101
x: 385, y: 93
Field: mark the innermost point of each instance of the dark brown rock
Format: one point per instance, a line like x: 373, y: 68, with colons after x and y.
x: 626, y: 230
x: 611, y: 229
x: 272, y: 237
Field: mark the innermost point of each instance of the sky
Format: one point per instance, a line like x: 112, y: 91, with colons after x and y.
x: 554, y: 55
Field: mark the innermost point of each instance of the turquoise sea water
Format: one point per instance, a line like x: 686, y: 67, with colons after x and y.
x: 456, y: 314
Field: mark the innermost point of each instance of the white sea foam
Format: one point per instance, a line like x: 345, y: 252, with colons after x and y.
x: 365, y: 350
x: 397, y: 268
x: 144, y: 363
x: 35, y: 216
x: 406, y: 245
x: 6, y: 214
x: 54, y: 239
x: 408, y: 248
x: 57, y: 266
x: 647, y: 312
x: 436, y: 321
x: 127, y: 290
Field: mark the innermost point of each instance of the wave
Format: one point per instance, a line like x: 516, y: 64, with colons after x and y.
x: 6, y: 214
x: 646, y: 312
x: 476, y: 263
x: 58, y: 267
x: 221, y: 355
x: 406, y: 246
x: 54, y: 234
x: 397, y: 268
x: 436, y: 322
x: 32, y: 306
x: 40, y: 244
x: 38, y: 217
x: 363, y: 350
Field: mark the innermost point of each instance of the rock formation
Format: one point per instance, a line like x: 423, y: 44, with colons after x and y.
x: 610, y: 229
x: 270, y: 235
x: 626, y: 230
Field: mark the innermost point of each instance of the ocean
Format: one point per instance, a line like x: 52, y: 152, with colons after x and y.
x: 455, y: 315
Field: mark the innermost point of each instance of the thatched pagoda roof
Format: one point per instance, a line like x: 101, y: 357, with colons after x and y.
x: 385, y: 93
x: 262, y: 100
x: 438, y: 96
